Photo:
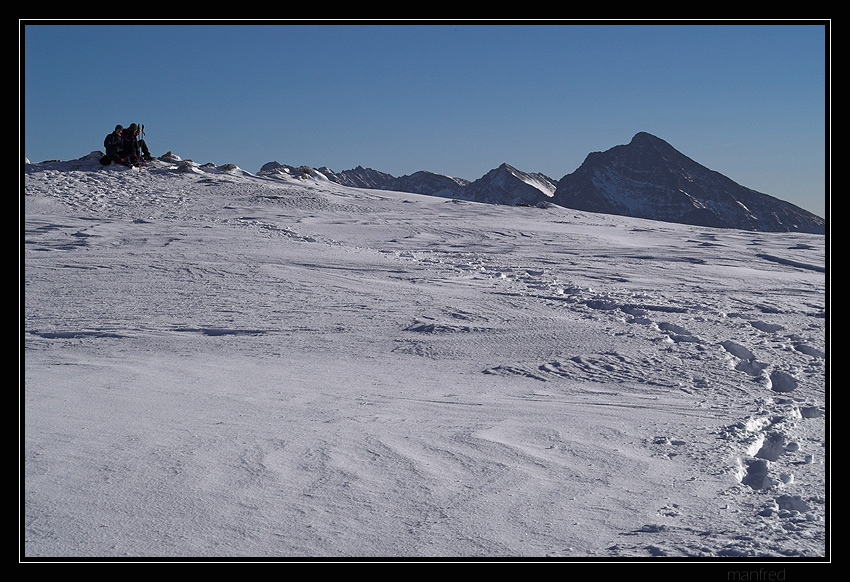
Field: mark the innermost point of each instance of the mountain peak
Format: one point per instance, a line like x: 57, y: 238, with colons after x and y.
x: 642, y: 137
x: 648, y: 178
x: 508, y: 185
x: 643, y: 140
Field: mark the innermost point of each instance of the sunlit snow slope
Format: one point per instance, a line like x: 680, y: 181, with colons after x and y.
x: 217, y: 364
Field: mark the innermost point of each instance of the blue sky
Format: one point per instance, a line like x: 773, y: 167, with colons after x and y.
x: 746, y: 100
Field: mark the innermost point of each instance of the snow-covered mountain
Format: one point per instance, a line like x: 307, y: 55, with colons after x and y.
x: 430, y: 183
x: 507, y: 185
x: 502, y: 185
x: 648, y: 178
x: 359, y: 177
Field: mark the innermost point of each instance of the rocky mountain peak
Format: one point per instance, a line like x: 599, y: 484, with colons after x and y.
x: 648, y: 178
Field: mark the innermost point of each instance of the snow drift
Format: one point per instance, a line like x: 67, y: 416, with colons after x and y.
x: 225, y: 364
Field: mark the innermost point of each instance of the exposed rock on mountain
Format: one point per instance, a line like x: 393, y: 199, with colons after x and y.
x: 648, y: 178
x: 359, y: 177
x: 507, y: 185
x: 425, y: 182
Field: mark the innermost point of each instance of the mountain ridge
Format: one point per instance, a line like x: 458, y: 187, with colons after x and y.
x: 646, y: 178
x: 649, y: 178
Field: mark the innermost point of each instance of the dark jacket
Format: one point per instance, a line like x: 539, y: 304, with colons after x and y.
x: 113, y: 144
x: 130, y: 142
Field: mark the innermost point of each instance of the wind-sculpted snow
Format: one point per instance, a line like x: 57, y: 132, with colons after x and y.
x: 221, y: 364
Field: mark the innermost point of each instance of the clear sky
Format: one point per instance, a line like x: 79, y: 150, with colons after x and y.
x: 746, y: 100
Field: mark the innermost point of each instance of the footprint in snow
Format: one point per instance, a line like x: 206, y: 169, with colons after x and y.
x: 746, y: 359
x: 782, y: 382
x: 766, y: 327
x: 777, y: 380
x: 679, y: 334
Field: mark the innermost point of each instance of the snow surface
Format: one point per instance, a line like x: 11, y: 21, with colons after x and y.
x: 219, y: 364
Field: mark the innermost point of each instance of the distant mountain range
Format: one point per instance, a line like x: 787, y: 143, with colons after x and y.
x: 646, y: 178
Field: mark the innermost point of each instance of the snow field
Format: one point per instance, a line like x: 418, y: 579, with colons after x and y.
x: 218, y: 364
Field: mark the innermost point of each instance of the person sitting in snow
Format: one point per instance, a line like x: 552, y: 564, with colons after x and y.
x: 134, y: 148
x: 113, y: 144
